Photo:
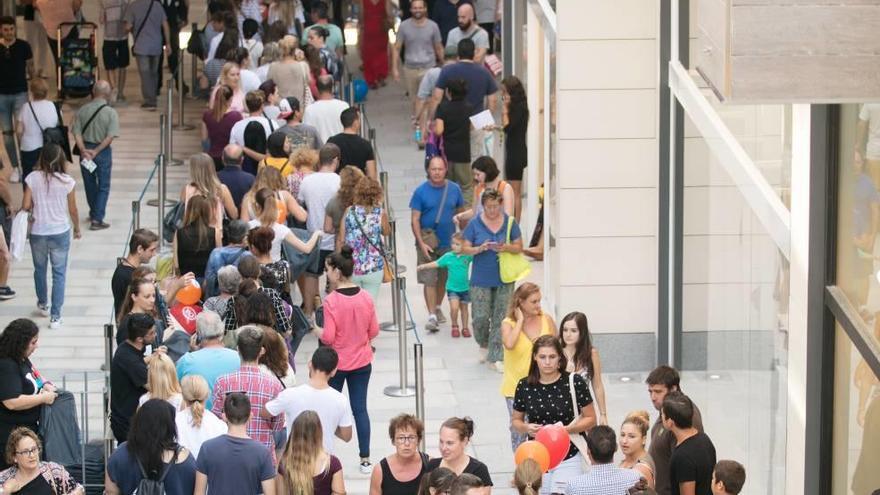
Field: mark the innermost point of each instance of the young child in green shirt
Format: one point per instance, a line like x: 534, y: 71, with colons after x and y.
x: 457, y: 283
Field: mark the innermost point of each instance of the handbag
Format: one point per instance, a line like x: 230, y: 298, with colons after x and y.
x: 54, y: 135
x: 429, y: 235
x: 83, y: 130
x: 576, y: 438
x: 387, y: 272
x: 18, y: 236
x: 513, y: 266
x: 173, y: 220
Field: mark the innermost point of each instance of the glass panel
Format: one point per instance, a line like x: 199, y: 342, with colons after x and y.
x: 735, y: 318
x: 859, y: 208
x: 856, y: 447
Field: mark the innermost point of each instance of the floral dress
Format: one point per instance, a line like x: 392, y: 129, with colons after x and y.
x: 55, y: 475
x: 363, y: 232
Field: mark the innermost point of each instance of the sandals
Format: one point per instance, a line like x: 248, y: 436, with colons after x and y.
x: 455, y: 333
x: 465, y: 332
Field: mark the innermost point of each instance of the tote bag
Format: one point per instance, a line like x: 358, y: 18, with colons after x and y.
x: 513, y: 266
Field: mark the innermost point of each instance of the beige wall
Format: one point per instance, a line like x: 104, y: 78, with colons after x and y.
x: 607, y: 150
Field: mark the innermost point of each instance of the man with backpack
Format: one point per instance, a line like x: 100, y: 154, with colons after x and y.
x: 94, y: 128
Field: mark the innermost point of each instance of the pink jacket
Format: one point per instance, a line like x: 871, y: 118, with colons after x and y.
x: 350, y: 323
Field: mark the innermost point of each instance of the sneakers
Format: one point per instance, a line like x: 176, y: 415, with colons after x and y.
x: 42, y: 310
x: 366, y: 466
x: 439, y: 314
x: 95, y: 225
x: 483, y: 353
x: 55, y: 323
x: 6, y: 293
x: 432, y: 324
x: 497, y: 366
x: 465, y: 332
x: 455, y: 333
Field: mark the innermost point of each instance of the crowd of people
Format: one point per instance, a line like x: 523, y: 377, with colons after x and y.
x: 205, y: 394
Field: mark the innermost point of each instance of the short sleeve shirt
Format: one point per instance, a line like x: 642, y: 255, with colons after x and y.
x: 316, y: 191
x: 122, y: 467
x: 429, y: 81
x: 50, y: 202
x: 235, y: 465
x: 18, y: 378
x: 486, y: 271
x: 693, y: 460
x: 13, y: 64
x: 332, y: 407
x: 302, y: 136
x: 114, y: 12
x: 474, y: 467
x: 363, y: 232
x: 426, y: 199
x: 480, y: 82
x: 354, y: 150
x: 418, y: 42
x: 456, y: 129
x: 546, y: 404
x: 477, y: 34
x: 458, y: 266
x: 104, y: 124
x: 149, y: 42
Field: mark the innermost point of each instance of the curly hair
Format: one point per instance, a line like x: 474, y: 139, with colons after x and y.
x: 305, y: 158
x: 16, y: 338
x: 349, y: 177
x: 368, y: 193
x: 16, y: 436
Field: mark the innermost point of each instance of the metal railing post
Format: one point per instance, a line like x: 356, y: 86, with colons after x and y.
x: 136, y: 214
x: 108, y: 358
x: 397, y: 294
x: 383, y: 181
x: 169, y: 112
x: 419, y: 365
x: 403, y: 390
x: 363, y: 126
x: 181, y: 125
x: 194, y: 84
x: 351, y: 92
x: 160, y: 203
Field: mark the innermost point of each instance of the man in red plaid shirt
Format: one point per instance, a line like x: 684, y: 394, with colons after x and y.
x: 259, y: 387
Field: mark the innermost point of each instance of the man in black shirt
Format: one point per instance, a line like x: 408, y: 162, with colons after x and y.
x: 128, y: 371
x: 16, y: 64
x: 354, y: 149
x: 141, y: 248
x: 693, y: 458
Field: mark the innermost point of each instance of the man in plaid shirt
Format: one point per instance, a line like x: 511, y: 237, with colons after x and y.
x: 604, y: 478
x: 259, y: 388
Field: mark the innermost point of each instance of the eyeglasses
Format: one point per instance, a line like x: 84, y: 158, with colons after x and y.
x: 406, y: 440
x: 29, y: 452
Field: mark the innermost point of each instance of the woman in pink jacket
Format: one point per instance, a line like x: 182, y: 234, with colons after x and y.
x: 350, y: 323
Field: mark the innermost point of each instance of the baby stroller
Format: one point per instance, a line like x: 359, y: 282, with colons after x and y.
x: 77, y: 60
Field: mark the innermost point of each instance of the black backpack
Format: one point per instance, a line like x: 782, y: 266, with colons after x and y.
x: 149, y: 486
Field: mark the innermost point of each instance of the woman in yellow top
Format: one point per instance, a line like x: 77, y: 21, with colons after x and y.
x: 525, y: 322
x: 278, y: 154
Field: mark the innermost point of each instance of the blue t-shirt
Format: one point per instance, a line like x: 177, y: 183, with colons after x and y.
x: 480, y: 82
x: 210, y: 363
x: 236, y: 466
x: 124, y: 471
x: 485, y: 271
x: 426, y: 199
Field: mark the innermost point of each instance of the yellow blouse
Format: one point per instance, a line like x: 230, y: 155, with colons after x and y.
x: 518, y: 359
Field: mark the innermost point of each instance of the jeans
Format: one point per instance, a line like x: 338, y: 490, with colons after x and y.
x: 148, y: 68
x: 54, y: 248
x: 9, y: 106
x: 358, y: 381
x: 516, y: 438
x: 489, y: 306
x: 97, y: 183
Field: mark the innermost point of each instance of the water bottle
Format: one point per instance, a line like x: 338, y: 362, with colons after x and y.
x: 418, y: 135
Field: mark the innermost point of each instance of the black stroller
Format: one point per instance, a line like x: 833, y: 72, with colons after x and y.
x: 77, y: 60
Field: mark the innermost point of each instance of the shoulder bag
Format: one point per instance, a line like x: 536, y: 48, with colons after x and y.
x: 429, y: 235
x: 141, y: 27
x: 54, y: 135
x: 387, y: 272
x: 576, y: 438
x: 513, y: 266
x: 88, y: 123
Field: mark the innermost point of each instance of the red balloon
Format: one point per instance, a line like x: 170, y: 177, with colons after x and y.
x: 535, y: 451
x: 555, y: 438
x: 189, y: 294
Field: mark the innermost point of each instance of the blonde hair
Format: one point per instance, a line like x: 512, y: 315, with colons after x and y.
x: 288, y: 45
x: 640, y: 419
x: 527, y: 477
x: 368, y: 193
x: 305, y: 158
x: 224, y: 74
x: 195, y: 393
x: 301, y: 454
x: 162, y: 378
x: 521, y: 293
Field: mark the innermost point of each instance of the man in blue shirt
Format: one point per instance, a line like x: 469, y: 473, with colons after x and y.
x: 232, y: 176
x: 230, y: 254
x: 212, y: 359
x: 433, y: 205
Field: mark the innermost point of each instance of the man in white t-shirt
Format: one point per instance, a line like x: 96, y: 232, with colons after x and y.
x: 317, y: 395
x: 324, y: 113
x: 315, y: 192
x: 254, y: 103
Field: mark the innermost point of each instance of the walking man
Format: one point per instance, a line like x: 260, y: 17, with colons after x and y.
x: 354, y: 149
x: 115, y: 48
x: 420, y: 37
x: 16, y: 65
x: 468, y: 29
x: 145, y: 20
x: 298, y: 134
x: 693, y: 459
x: 325, y: 113
x: 95, y: 127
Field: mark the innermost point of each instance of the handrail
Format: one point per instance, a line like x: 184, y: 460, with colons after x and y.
x: 132, y: 223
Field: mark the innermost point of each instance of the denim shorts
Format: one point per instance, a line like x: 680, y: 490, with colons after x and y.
x: 463, y: 296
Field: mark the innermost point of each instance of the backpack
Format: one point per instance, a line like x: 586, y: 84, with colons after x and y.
x: 149, y: 486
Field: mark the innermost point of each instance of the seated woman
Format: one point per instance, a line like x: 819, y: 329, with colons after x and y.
x: 28, y: 474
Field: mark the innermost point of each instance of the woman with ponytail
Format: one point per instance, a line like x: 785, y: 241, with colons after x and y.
x: 527, y: 478
x: 195, y: 424
x: 350, y: 323
x: 633, y: 439
x: 305, y: 468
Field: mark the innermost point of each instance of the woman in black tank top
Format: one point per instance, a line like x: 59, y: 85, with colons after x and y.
x: 407, y: 463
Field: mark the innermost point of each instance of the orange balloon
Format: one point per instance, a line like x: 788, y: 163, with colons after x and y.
x: 189, y: 294
x: 535, y: 451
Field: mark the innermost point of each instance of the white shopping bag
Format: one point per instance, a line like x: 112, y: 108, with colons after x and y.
x: 19, y: 235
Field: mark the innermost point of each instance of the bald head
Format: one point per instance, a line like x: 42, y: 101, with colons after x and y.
x: 232, y: 154
x: 465, y: 16
x: 101, y: 89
